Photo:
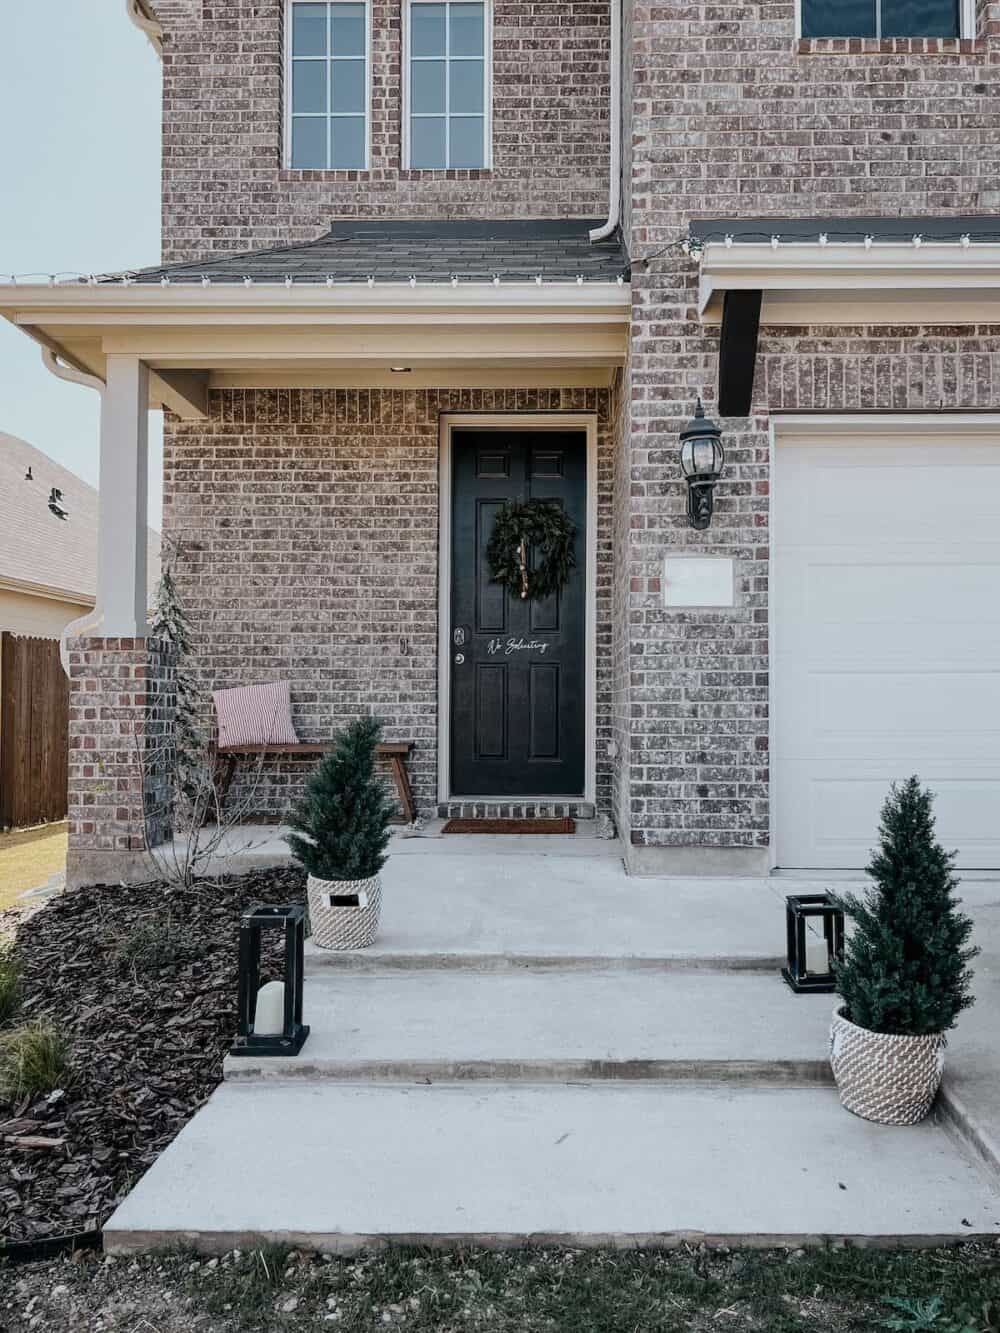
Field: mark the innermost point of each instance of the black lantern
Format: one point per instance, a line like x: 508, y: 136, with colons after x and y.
x: 702, y: 461
x: 289, y: 1040
x: 812, y: 948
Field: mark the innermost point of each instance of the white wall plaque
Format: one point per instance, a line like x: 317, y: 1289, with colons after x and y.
x: 698, y: 580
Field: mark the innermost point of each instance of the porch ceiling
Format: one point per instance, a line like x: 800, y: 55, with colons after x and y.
x: 442, y: 302
x: 874, y: 281
x: 196, y: 336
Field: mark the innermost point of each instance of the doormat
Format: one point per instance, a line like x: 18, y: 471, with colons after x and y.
x: 510, y: 826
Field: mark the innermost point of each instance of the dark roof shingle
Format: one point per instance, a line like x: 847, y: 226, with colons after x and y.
x: 435, y: 250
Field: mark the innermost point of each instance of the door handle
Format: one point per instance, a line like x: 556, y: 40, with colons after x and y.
x: 459, y: 658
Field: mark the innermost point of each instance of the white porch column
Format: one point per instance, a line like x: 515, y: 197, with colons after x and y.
x: 124, y: 485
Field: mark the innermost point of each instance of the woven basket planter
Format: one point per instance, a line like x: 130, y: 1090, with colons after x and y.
x: 891, y: 1080
x: 344, y: 927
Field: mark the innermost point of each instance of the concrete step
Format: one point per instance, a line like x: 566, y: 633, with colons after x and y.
x: 489, y: 912
x: 555, y: 1025
x: 339, y: 1166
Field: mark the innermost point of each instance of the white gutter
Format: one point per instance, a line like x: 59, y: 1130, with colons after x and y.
x: 203, y: 295
x: 141, y: 15
x: 92, y: 618
x: 615, y: 113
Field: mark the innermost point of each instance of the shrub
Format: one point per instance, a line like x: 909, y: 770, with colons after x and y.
x: 905, y: 968
x: 10, y: 985
x: 342, y: 822
x: 152, y: 944
x: 33, y: 1061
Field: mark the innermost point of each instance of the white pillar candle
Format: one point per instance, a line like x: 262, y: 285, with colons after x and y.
x: 817, y: 954
x: 269, y: 1017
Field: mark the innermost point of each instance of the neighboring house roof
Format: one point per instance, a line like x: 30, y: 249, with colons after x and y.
x: 433, y: 250
x: 39, y: 552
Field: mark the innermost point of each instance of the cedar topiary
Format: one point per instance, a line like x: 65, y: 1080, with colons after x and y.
x: 905, y: 968
x: 342, y: 822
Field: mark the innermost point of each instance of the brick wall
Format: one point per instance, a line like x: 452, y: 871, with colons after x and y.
x: 732, y: 118
x: 225, y: 187
x: 308, y: 523
x: 120, y: 755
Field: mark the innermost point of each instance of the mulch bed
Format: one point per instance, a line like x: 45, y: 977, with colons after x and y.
x: 142, y: 981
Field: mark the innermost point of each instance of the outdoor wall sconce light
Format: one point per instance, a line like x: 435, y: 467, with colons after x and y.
x: 811, y: 956
x: 270, y: 1017
x: 56, y: 505
x: 702, y: 461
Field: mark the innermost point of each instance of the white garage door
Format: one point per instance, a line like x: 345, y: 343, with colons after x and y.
x: 886, y: 637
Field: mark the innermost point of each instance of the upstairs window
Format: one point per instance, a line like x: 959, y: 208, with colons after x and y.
x: 328, y: 85
x: 448, y: 84
x: 881, y: 18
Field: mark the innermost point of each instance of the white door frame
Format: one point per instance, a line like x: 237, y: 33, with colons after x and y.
x: 945, y: 427
x: 519, y: 421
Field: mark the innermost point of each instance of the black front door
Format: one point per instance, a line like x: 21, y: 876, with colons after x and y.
x: 518, y: 668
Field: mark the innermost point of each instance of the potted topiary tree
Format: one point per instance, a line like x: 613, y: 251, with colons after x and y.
x: 341, y: 831
x: 904, y: 978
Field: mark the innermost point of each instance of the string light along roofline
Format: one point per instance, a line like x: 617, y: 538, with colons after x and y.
x: 695, y: 245
x: 132, y: 278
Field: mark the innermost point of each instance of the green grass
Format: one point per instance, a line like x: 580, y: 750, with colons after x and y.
x: 243, y: 1291
x: 33, y: 1061
x: 10, y: 985
x: 821, y: 1291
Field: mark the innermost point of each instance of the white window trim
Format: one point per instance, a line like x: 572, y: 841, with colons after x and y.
x: 287, y: 91
x: 487, y: 89
x: 966, y: 21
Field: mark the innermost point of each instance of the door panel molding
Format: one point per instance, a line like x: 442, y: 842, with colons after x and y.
x: 507, y: 421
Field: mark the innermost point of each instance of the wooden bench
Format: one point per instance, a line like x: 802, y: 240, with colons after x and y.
x: 395, y: 751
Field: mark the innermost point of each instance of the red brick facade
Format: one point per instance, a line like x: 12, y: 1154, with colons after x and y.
x: 308, y: 525
x: 310, y: 518
x: 120, y: 755
x: 225, y: 182
x: 731, y: 117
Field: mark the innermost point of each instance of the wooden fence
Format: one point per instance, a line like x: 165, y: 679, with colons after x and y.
x: 34, y: 732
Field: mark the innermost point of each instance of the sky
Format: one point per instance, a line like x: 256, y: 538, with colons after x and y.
x: 79, y: 190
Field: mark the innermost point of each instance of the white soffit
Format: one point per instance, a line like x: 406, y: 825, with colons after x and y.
x: 345, y: 333
x: 881, y: 282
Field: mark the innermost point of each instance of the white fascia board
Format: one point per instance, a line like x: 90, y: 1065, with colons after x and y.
x: 852, y: 273
x: 22, y: 303
x: 47, y: 591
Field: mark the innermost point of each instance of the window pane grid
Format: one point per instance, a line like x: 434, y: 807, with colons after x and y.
x: 436, y: 140
x: 881, y: 18
x: 329, y: 131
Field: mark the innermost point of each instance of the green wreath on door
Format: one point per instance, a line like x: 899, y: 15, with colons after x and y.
x: 539, y: 525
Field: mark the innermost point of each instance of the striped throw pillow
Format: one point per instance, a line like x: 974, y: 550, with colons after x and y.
x: 255, y: 715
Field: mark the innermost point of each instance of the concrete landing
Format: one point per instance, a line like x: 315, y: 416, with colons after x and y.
x: 464, y: 908
x: 555, y: 1024
x: 337, y: 1166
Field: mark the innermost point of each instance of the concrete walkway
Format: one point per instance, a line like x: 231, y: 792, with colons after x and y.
x: 540, y: 1047
x: 338, y: 1167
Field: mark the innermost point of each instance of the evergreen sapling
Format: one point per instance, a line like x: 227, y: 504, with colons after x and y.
x: 341, y: 824
x: 905, y: 968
